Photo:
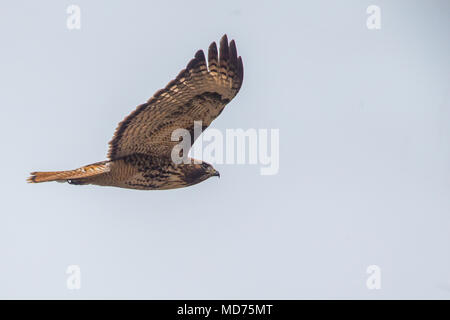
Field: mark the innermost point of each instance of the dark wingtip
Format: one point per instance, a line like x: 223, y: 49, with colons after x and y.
x: 200, y: 55
x: 198, y: 60
x: 223, y: 50
x: 212, y: 47
x: 189, y: 66
x: 233, y: 47
x: 224, y: 38
x: 233, y: 55
x: 212, y: 57
x: 240, y: 68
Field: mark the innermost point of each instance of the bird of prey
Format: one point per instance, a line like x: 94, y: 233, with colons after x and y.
x: 139, y: 154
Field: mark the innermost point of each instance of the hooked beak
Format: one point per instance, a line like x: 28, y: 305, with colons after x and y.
x: 216, y: 174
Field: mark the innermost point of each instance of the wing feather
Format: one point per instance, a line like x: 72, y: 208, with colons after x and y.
x: 198, y: 93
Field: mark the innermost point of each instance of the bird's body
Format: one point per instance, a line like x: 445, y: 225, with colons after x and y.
x: 140, y: 154
x: 144, y: 172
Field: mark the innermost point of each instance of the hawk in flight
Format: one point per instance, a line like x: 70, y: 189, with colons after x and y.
x: 140, y: 151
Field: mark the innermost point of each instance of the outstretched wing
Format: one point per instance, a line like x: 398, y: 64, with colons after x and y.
x: 199, y: 93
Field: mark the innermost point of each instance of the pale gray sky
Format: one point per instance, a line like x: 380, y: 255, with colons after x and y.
x: 364, y: 152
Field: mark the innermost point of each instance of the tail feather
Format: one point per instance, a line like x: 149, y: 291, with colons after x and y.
x: 62, y: 176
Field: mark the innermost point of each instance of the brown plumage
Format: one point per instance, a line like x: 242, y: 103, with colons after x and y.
x: 140, y: 151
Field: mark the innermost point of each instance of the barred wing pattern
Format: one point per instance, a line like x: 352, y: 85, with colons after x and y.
x: 198, y: 93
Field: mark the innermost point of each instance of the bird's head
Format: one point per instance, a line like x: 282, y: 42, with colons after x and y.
x: 198, y: 172
x: 209, y: 169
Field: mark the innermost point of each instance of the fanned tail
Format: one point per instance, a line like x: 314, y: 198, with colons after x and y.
x: 63, y: 176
